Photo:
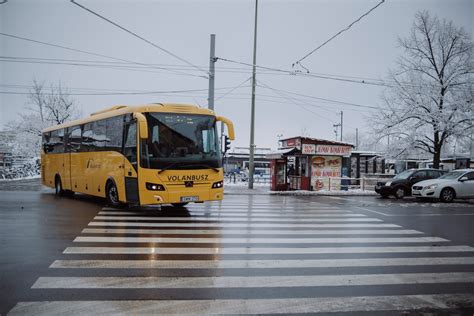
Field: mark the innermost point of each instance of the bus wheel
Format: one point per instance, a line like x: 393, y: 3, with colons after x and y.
x: 58, y: 186
x: 179, y: 204
x: 112, y: 195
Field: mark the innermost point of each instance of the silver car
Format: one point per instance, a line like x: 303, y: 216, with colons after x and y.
x: 457, y: 184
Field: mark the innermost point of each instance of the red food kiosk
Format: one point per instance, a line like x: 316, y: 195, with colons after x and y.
x: 304, y: 163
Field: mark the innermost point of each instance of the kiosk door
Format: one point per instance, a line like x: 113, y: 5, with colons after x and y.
x: 278, y: 173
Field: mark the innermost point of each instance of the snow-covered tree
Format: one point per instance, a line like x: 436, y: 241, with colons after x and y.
x: 46, y: 107
x: 430, y: 97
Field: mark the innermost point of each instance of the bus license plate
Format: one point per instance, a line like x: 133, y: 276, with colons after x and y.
x: 189, y: 198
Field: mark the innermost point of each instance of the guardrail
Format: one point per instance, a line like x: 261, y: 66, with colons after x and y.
x: 332, y: 183
x: 235, y: 178
x: 364, y: 184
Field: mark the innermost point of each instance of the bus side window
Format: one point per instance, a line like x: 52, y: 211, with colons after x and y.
x: 56, y: 141
x: 130, y: 146
x: 100, y: 138
x: 47, y: 147
x: 87, y: 138
x: 74, y: 139
x: 114, y: 133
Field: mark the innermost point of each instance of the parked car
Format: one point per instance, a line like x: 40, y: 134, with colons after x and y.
x: 455, y: 184
x: 400, y: 185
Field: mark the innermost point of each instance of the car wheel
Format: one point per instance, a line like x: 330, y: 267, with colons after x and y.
x: 384, y: 196
x: 179, y: 204
x: 447, y: 195
x: 58, y: 187
x: 112, y: 195
x: 399, y: 193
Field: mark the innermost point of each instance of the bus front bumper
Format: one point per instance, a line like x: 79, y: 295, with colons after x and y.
x: 180, y: 196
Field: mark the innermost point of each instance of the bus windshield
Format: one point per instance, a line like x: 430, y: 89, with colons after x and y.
x: 180, y: 141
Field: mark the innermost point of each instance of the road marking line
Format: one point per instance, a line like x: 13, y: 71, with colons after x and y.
x: 244, y: 225
x: 267, y: 240
x: 258, y: 264
x: 372, y: 211
x: 249, y: 281
x: 243, y: 214
x: 232, y: 219
x: 264, y: 250
x: 246, y: 306
x: 250, y: 232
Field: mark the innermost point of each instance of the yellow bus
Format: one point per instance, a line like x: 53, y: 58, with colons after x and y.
x: 140, y: 155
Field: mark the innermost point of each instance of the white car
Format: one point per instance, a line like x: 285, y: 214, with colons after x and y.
x: 457, y: 184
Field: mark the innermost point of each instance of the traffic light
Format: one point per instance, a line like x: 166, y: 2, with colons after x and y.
x: 226, y: 144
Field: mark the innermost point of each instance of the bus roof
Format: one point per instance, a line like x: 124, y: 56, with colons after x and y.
x: 124, y: 109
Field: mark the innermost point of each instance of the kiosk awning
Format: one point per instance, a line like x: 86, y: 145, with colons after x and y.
x: 277, y: 154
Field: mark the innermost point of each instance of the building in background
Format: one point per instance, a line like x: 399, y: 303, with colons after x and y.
x: 237, y: 160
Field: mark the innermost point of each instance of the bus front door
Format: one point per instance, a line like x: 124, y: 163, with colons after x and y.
x: 131, y: 163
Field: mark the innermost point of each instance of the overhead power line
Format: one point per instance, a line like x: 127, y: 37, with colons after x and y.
x: 107, y: 93
x: 292, y: 100
x: 92, y: 53
x: 140, y: 37
x: 327, y: 100
x: 234, y: 88
x: 336, y: 35
x: 349, y: 79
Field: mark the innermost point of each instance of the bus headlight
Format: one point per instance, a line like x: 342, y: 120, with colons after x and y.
x: 154, y: 187
x: 217, y: 185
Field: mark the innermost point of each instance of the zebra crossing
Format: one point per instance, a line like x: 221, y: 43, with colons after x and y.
x: 251, y: 255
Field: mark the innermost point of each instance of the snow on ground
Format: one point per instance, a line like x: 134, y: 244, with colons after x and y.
x: 37, y: 176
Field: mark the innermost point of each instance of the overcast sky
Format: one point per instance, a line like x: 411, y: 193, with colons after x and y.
x: 287, y: 30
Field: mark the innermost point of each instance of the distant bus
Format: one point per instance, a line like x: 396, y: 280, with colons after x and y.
x: 150, y: 154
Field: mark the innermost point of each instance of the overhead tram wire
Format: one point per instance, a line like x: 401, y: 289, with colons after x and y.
x: 234, y: 88
x: 282, y: 93
x: 141, y: 38
x: 328, y: 100
x: 291, y: 72
x: 298, y: 62
x: 121, y: 93
x: 112, y: 67
x: 169, y: 67
x: 260, y: 83
x: 93, y: 54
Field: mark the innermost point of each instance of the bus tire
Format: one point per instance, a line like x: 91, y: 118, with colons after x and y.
x: 111, y: 194
x: 58, y: 186
x: 179, y: 204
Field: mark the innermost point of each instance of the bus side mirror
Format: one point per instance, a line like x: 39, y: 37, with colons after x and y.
x: 142, y: 125
x: 229, y: 124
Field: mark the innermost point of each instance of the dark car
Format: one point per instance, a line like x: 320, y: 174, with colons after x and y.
x: 400, y: 185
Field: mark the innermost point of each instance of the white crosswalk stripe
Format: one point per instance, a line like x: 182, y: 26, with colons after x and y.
x: 242, y: 225
x: 344, y: 218
x: 224, y: 240
x: 247, y: 306
x: 236, y: 257
x: 246, y: 282
x: 250, y: 231
x: 257, y: 264
x: 266, y: 250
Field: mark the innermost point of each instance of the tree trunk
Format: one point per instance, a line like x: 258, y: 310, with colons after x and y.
x: 436, y: 150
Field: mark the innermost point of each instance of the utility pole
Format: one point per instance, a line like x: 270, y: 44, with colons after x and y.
x: 342, y: 114
x: 357, y: 139
x: 252, y: 115
x: 212, y: 71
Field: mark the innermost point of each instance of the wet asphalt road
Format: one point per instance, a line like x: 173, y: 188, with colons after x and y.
x: 248, y: 254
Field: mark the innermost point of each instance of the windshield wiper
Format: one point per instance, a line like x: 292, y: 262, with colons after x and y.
x: 203, y: 165
x: 168, y: 167
x: 184, y: 165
